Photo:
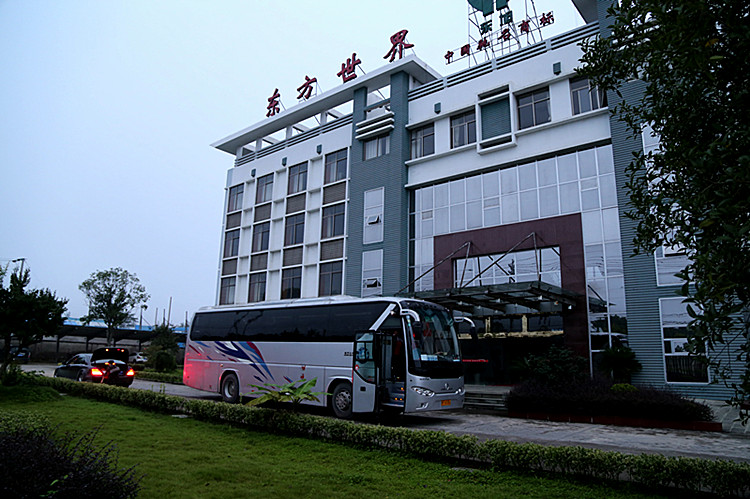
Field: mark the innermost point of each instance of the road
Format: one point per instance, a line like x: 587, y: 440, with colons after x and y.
x: 732, y: 446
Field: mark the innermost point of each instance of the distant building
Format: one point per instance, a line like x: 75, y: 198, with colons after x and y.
x: 496, y: 191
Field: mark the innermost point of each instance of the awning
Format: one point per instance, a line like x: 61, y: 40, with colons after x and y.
x: 537, y: 296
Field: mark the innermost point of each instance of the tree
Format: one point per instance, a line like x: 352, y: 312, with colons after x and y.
x: 26, y: 315
x: 163, y: 349
x: 690, y: 58
x: 112, y: 295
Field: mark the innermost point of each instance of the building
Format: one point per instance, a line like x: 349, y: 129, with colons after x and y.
x: 497, y: 191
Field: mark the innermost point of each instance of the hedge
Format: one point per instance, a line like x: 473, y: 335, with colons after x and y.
x: 159, y: 377
x: 722, y: 477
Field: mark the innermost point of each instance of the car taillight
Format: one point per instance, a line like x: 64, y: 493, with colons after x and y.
x: 130, y: 372
x: 95, y: 371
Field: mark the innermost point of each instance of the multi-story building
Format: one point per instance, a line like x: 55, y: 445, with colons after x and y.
x: 497, y: 191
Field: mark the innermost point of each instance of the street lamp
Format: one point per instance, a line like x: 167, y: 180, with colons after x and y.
x: 22, y: 260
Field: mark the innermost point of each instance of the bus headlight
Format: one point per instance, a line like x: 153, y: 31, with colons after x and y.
x: 423, y: 391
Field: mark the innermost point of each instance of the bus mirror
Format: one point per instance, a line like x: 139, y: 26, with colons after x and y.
x: 411, y: 313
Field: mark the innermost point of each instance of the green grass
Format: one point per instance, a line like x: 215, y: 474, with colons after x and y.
x: 182, y: 457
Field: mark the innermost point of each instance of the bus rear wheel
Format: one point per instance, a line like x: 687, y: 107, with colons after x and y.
x: 230, y: 389
x: 341, y: 401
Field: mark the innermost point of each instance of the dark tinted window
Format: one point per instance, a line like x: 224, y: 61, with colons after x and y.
x: 321, y: 323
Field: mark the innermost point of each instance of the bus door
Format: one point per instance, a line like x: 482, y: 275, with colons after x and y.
x: 393, y: 368
x: 365, y: 382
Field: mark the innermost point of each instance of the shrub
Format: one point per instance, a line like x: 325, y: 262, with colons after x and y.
x: 163, y: 361
x: 35, y: 462
x: 557, y: 366
x: 619, y: 363
x: 597, y: 398
x: 623, y: 388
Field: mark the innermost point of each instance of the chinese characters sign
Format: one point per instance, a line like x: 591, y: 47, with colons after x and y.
x: 347, y: 72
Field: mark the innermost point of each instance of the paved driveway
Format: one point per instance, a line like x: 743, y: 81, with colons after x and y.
x: 734, y: 446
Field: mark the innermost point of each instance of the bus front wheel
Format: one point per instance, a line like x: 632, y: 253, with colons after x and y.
x: 230, y: 389
x: 341, y: 401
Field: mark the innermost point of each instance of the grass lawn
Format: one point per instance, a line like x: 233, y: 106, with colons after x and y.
x: 183, y: 458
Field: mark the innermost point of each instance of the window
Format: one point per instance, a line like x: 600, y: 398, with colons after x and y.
x: 265, y: 189
x: 335, y: 168
x: 378, y: 146
x: 463, y: 129
x: 291, y: 283
x: 373, y: 214
x: 234, y: 202
x: 297, y: 178
x: 333, y: 221
x: 329, y: 283
x: 233, y: 220
x: 423, y: 141
x: 231, y: 243
x: 257, y: 291
x: 533, y: 108
x: 261, y: 234
x: 372, y: 273
x: 294, y: 232
x: 584, y: 97
x: 680, y: 366
x: 226, y: 295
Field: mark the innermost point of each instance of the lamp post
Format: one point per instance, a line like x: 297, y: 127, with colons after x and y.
x: 22, y: 260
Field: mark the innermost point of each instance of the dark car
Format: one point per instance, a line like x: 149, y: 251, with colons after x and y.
x: 104, y: 365
x: 20, y: 355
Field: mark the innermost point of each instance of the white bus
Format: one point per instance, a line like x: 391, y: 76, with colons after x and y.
x: 369, y: 354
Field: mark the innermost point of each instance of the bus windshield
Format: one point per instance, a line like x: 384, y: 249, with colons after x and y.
x: 433, y: 343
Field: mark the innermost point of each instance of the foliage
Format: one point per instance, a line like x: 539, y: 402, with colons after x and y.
x: 623, y: 388
x: 619, y: 363
x: 722, y: 477
x: 35, y: 462
x: 26, y: 315
x: 162, y: 350
x: 559, y: 365
x: 174, y: 377
x: 111, y: 296
x: 597, y: 398
x: 289, y: 392
x: 689, y: 57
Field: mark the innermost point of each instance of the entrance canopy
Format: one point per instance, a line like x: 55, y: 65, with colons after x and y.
x: 538, y: 296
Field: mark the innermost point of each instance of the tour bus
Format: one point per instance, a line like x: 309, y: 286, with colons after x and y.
x: 368, y: 354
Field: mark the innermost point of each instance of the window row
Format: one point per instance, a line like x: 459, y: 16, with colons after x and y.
x: 532, y: 109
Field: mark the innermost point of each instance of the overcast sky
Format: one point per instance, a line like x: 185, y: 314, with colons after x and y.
x: 107, y: 110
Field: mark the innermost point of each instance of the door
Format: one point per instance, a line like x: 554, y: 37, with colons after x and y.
x: 365, y: 378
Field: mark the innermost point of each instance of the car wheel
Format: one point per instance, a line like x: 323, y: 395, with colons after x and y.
x: 341, y: 401
x: 230, y: 389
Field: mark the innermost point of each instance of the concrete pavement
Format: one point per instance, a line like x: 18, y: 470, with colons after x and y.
x: 733, y: 444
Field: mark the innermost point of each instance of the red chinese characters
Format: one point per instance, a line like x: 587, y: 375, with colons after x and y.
x: 466, y: 50
x: 483, y: 44
x: 273, y: 104
x: 449, y: 57
x: 525, y: 27
x: 398, y: 41
x: 348, y: 68
x: 305, y: 90
x: 546, y: 19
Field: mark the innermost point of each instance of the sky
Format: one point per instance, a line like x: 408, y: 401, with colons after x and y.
x: 108, y: 110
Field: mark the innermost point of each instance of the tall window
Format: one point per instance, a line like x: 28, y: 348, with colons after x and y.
x: 257, y: 291
x: 235, y: 198
x: 294, y: 231
x: 333, y: 221
x: 329, y: 283
x: 265, y: 189
x: 680, y: 366
x: 291, y: 283
x: 231, y: 243
x: 374, y: 203
x: 261, y: 234
x: 335, y: 168
x: 378, y: 146
x: 463, y: 129
x: 226, y: 294
x: 533, y: 108
x: 297, y: 178
x: 585, y: 97
x: 372, y: 273
x: 423, y: 141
